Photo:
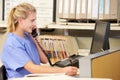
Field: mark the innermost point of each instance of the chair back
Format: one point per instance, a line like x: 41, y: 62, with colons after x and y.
x: 3, y: 73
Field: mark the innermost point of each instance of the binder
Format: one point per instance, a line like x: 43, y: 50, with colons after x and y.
x: 78, y: 9
x: 89, y: 9
x: 113, y: 9
x: 72, y: 9
x: 118, y: 9
x: 2, y: 10
x: 107, y: 9
x: 84, y: 9
x: 66, y: 8
x: 95, y: 9
x: 60, y: 8
x: 101, y: 9
x: 1, y: 15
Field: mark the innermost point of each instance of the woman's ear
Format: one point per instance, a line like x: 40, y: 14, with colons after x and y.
x: 19, y: 20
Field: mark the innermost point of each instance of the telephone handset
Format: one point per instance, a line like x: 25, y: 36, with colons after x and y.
x: 34, y: 33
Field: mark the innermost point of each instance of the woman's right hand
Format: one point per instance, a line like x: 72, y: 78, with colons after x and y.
x: 70, y: 70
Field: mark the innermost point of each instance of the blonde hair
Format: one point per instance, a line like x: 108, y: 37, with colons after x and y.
x: 20, y: 11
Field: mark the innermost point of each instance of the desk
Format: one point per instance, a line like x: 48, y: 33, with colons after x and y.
x: 103, y: 64
x: 58, y: 77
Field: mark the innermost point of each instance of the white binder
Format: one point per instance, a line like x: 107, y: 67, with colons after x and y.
x: 84, y: 9
x: 72, y: 9
x: 89, y: 9
x: 101, y: 9
x: 107, y: 9
x: 78, y: 9
x: 113, y: 9
x: 95, y: 9
x: 60, y: 8
x: 66, y: 8
x: 118, y: 13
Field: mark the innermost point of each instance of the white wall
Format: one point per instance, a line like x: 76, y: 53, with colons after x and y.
x: 85, y: 42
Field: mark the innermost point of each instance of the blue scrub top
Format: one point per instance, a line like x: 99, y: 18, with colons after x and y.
x: 16, y: 53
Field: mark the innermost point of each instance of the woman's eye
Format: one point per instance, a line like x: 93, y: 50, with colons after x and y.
x: 33, y: 20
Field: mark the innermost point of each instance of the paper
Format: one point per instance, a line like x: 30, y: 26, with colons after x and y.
x: 60, y: 77
x: 44, y: 75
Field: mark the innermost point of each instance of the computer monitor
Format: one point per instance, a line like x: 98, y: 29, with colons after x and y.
x: 100, y: 40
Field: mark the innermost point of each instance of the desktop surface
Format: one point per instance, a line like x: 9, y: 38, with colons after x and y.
x: 57, y: 77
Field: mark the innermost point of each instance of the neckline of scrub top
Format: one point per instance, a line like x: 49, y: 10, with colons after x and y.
x: 22, y: 40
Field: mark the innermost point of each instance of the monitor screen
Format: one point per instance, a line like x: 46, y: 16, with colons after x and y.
x: 100, y: 41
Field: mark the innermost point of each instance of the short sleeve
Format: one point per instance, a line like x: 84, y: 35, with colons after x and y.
x: 15, y: 57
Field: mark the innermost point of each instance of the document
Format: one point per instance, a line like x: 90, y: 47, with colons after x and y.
x: 45, y: 75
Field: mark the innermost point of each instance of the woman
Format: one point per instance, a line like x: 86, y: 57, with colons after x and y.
x: 21, y: 54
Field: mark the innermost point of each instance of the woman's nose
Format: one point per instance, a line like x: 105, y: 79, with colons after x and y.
x: 34, y: 25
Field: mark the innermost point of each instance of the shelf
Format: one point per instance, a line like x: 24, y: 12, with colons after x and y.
x: 81, y: 26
